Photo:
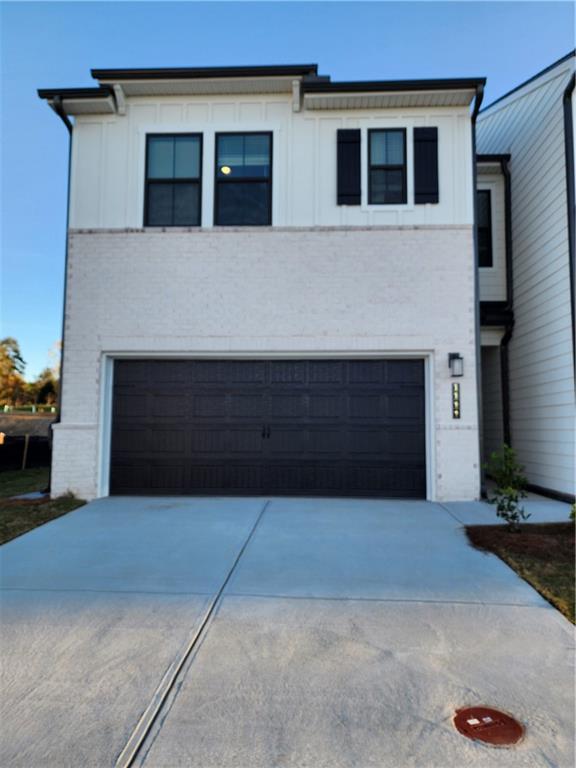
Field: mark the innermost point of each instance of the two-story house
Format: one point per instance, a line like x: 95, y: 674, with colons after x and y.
x: 272, y: 285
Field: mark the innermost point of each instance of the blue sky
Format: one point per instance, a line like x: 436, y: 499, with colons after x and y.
x: 55, y: 44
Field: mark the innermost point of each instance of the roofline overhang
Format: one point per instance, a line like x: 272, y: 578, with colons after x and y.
x: 498, y: 158
x: 103, y: 91
x: 382, y: 86
x: 519, y: 87
x: 202, y: 73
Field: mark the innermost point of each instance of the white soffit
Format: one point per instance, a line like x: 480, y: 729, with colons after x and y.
x: 488, y: 169
x: 390, y: 100
x: 95, y: 106
x: 491, y: 337
x: 202, y: 87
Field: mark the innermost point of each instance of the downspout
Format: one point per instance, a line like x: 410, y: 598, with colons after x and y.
x: 569, y: 147
x: 477, y: 104
x: 504, y: 365
x: 59, y: 109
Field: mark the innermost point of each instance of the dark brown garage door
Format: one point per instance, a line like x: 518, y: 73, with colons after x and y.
x: 284, y: 427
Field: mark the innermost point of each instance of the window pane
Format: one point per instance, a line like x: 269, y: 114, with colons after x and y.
x: 243, y: 156
x: 186, y: 205
x: 187, y: 157
x: 387, y: 147
x: 230, y: 151
x: 386, y: 186
x: 257, y: 155
x: 160, y: 157
x: 484, y: 208
x: 159, y: 205
x: 243, y: 203
x: 484, y: 247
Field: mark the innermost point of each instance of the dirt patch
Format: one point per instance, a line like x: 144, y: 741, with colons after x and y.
x: 33, y: 424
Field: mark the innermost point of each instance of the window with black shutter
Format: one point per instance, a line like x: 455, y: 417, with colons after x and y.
x: 425, y: 165
x: 484, y: 227
x: 173, y: 180
x: 348, y: 163
x: 387, y: 166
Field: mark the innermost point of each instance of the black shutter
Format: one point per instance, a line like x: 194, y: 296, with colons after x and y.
x: 425, y: 165
x: 349, y: 167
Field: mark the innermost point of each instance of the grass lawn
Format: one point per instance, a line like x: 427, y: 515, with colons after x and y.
x: 542, y: 554
x: 19, y: 516
x: 23, y: 481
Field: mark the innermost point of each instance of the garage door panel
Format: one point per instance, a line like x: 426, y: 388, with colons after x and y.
x: 326, y: 406
x: 225, y: 478
x: 367, y: 406
x: 294, y: 427
x: 369, y: 442
x: 404, y: 372
x: 167, y: 404
x: 248, y: 406
x: 326, y: 372
x: 246, y: 440
x: 405, y: 406
x: 288, y: 406
x: 368, y: 372
x: 210, y: 406
x: 292, y: 372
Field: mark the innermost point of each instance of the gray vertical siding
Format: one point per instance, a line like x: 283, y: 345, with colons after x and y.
x: 529, y: 125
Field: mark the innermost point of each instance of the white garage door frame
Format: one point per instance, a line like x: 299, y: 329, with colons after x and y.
x: 107, y: 383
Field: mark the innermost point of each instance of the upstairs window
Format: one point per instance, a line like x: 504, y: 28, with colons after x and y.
x: 243, y: 195
x: 387, y: 166
x: 484, y: 210
x: 173, y: 180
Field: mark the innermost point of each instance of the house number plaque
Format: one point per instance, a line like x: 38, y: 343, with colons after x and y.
x: 455, y: 401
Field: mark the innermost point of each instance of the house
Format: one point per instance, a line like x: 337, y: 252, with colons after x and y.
x: 528, y: 360
x: 271, y: 285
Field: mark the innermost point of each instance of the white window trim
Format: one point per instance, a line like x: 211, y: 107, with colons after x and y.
x: 107, y: 381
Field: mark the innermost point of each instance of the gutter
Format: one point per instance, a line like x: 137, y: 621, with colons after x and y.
x: 59, y: 109
x: 569, y: 153
x: 477, y: 103
x: 504, y: 362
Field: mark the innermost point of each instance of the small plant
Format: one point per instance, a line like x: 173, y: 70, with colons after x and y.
x: 508, y: 474
x: 573, y: 512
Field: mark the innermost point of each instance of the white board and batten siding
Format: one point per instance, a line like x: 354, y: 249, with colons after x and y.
x: 108, y: 164
x: 492, y: 280
x: 529, y: 125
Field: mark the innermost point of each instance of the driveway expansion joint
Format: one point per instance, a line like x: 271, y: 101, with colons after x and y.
x: 134, y: 744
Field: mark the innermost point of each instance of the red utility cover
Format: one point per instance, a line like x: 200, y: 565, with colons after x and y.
x: 489, y: 726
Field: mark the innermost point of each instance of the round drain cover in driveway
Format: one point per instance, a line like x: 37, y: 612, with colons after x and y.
x: 488, y: 725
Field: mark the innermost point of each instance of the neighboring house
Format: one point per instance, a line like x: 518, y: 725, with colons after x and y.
x: 267, y: 273
x: 528, y: 360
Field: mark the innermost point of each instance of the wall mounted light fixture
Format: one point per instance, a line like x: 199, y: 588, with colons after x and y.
x: 456, y: 364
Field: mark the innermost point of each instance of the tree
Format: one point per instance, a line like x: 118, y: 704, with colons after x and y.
x: 12, y: 365
x: 45, y: 387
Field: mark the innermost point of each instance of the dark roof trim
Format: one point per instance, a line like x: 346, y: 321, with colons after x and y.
x: 365, y: 86
x: 495, y: 313
x: 199, y: 73
x: 76, y: 93
x: 530, y: 79
x: 492, y: 158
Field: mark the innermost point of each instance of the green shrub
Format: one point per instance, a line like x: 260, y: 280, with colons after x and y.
x: 508, y: 474
x: 573, y: 512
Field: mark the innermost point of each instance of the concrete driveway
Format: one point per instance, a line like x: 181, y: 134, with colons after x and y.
x: 245, y: 633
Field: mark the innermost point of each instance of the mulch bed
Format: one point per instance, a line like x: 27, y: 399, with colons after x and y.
x: 541, y: 553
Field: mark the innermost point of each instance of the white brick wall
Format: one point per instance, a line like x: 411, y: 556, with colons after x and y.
x: 339, y: 291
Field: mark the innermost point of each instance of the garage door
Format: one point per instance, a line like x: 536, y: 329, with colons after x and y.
x: 270, y: 427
